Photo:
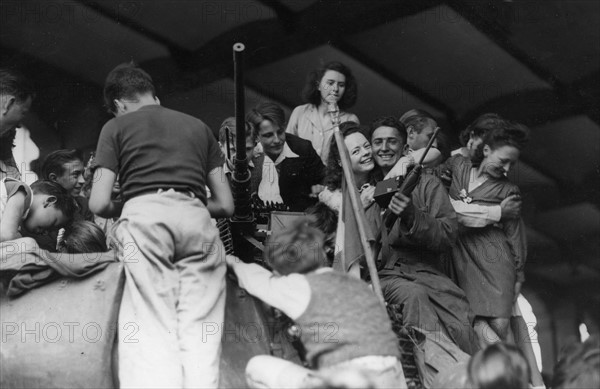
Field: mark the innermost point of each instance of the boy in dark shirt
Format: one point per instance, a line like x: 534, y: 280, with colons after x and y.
x: 174, y: 259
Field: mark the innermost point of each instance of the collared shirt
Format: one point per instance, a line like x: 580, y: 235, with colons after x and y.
x: 268, y: 190
x: 306, y: 123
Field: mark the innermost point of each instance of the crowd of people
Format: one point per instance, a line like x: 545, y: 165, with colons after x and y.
x: 452, y: 262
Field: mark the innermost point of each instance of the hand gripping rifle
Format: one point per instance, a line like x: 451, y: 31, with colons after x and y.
x: 410, y: 182
x: 406, y: 188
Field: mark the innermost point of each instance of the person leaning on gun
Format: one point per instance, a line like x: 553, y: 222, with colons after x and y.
x: 173, y: 257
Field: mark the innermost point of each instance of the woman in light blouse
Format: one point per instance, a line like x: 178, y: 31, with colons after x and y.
x: 332, y: 83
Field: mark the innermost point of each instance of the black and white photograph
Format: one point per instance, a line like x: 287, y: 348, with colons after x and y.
x: 300, y: 194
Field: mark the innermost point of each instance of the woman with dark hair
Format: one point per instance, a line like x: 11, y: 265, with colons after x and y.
x: 489, y: 259
x: 356, y: 138
x: 472, y: 135
x: 332, y: 83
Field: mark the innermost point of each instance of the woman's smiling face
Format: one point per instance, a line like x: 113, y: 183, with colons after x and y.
x: 359, y: 149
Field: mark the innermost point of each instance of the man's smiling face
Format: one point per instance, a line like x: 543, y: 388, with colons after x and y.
x: 387, y: 146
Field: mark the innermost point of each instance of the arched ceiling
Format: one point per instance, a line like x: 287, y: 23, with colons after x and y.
x: 537, y: 62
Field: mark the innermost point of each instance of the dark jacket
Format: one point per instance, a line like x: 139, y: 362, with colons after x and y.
x: 296, y: 175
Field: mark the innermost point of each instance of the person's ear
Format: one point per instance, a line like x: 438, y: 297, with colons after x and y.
x: 7, y: 102
x: 157, y: 100
x: 410, y: 131
x: 120, y: 106
x: 50, y: 200
x: 52, y: 177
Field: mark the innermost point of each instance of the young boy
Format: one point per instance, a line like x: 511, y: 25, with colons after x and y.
x: 172, y: 254
x: 65, y: 167
x: 44, y: 206
x: 342, y: 324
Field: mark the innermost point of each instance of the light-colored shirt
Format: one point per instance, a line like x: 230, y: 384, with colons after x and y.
x: 475, y: 215
x: 268, y: 189
x: 9, y: 169
x: 290, y: 294
x: 306, y: 123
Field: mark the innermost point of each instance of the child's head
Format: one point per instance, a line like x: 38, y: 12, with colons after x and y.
x: 296, y: 249
x: 228, y: 127
x: 52, y: 207
x: 83, y: 237
x: 499, y: 366
x: 579, y: 366
x: 324, y: 219
x: 126, y: 81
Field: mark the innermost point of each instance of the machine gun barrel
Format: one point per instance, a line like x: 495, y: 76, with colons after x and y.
x: 241, y: 175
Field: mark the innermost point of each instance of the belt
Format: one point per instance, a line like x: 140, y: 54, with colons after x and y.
x: 186, y: 192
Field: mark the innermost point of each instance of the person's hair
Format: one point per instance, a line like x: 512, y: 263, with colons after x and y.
x: 333, y: 170
x: 296, y: 249
x: 64, y: 201
x: 83, y: 237
x: 443, y: 145
x: 127, y: 81
x: 480, y: 126
x: 13, y: 83
x: 322, y: 217
x: 578, y: 366
x: 265, y: 111
x: 417, y: 119
x: 7, y: 142
x: 230, y: 123
x: 389, y: 121
x: 498, y: 366
x: 506, y: 134
x: 54, y: 162
x: 312, y: 95
x: 325, y: 219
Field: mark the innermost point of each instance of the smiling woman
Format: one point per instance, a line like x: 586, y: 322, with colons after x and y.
x: 362, y: 164
x: 490, y: 260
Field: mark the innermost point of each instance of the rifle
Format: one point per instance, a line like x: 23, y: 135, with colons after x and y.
x: 406, y: 188
x: 410, y: 182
